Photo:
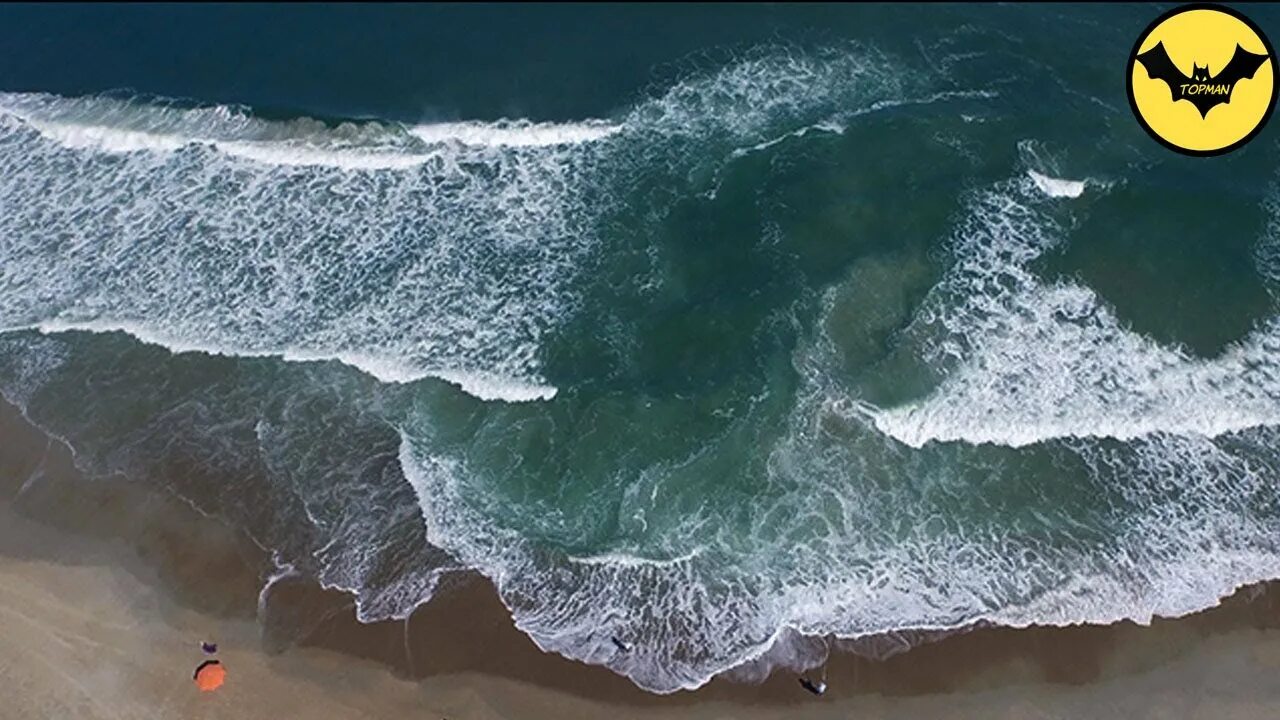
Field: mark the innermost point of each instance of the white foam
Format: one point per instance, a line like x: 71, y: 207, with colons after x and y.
x: 621, y: 559
x: 853, y: 533
x: 575, y: 608
x: 115, y: 140
x: 918, y: 534
x: 929, y: 99
x: 1057, y: 187
x: 767, y: 91
x: 210, y: 229
x: 695, y: 618
x: 384, y: 369
x: 303, y: 155
x: 282, y: 571
x: 81, y: 126
x: 487, y: 386
x: 948, y: 536
x: 1017, y: 393
x: 32, y: 361
x: 479, y: 385
x: 694, y: 621
x: 514, y: 133
x: 828, y: 126
x: 1037, y: 361
x: 839, y: 123
x: 107, y: 139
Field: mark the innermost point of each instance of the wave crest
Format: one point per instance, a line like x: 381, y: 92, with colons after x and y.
x: 1034, y: 361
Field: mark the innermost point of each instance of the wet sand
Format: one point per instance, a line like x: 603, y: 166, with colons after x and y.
x: 107, y: 589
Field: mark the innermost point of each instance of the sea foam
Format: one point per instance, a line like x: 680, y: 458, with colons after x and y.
x: 1057, y: 187
x: 514, y: 133
x: 865, y: 520
x: 115, y: 126
x: 447, y: 255
x: 1037, y: 360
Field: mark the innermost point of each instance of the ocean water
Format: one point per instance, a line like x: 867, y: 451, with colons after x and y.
x: 714, y: 330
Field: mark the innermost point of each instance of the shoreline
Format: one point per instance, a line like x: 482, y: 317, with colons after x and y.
x: 105, y: 536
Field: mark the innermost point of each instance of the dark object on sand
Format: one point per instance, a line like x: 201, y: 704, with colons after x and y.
x: 620, y: 645
x: 209, y: 648
x: 817, y: 689
x: 209, y: 675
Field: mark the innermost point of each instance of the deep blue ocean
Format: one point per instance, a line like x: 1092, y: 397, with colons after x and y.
x: 711, y: 329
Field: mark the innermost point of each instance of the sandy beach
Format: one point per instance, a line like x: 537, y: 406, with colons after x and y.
x: 106, y: 592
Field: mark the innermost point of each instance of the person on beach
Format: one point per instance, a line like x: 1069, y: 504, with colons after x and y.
x: 620, y: 645
x: 815, y: 688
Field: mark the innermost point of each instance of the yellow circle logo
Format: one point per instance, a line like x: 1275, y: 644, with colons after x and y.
x: 1202, y: 79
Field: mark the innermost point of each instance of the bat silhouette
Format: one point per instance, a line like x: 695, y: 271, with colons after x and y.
x: 1200, y: 89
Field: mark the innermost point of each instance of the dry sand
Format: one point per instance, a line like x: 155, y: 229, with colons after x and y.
x: 107, y: 590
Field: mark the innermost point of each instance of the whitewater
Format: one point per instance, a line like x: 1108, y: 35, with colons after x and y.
x: 378, y: 326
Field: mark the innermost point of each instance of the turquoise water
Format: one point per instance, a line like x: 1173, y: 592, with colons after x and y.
x: 707, y: 329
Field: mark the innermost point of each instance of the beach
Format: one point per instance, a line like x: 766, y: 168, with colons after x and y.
x: 105, y: 607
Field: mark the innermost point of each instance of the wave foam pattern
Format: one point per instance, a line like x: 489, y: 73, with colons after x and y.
x: 950, y: 535
x: 457, y: 267
x: 1055, y: 521
x: 686, y: 618
x: 436, y: 250
x: 1035, y: 360
x: 212, y: 230
x: 291, y: 455
x: 862, y: 529
x: 857, y: 536
x: 1057, y: 187
x: 443, y: 250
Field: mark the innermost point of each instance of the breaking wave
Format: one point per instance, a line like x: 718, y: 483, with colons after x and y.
x: 871, y: 523
x: 1057, y: 187
x: 1034, y: 361
x: 446, y: 250
x: 406, y: 252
